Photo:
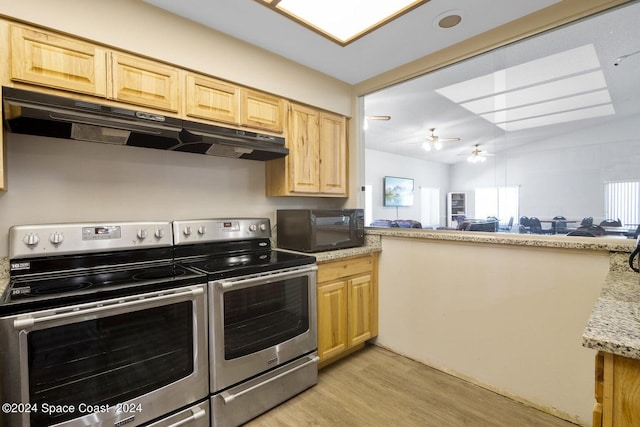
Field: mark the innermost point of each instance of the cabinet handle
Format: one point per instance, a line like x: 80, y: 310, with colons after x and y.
x: 194, y: 417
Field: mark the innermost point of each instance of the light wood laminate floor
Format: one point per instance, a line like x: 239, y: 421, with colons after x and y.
x: 375, y: 387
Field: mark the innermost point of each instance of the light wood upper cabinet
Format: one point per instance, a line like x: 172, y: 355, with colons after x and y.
x: 261, y: 111
x: 303, y: 140
x: 333, y: 154
x: 219, y: 101
x: 317, y: 160
x: 211, y: 99
x: 142, y: 82
x: 59, y: 62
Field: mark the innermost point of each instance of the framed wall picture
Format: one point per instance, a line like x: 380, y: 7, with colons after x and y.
x: 398, y: 191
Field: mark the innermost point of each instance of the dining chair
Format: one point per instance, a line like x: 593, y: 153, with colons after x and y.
x: 611, y: 223
x: 535, y: 226
x: 586, y: 221
x: 558, y: 225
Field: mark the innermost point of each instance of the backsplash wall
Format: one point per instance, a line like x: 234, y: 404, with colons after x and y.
x: 53, y: 180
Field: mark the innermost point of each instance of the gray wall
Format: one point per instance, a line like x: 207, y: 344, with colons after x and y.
x: 424, y: 174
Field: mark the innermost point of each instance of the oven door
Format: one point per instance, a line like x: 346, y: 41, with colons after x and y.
x: 118, y: 361
x: 259, y: 322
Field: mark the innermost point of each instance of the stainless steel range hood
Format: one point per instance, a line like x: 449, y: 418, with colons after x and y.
x: 40, y: 114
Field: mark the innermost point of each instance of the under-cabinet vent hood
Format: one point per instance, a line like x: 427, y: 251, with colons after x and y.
x: 41, y: 114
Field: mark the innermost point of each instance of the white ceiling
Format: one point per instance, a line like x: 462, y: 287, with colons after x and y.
x: 415, y: 106
x: 405, y: 39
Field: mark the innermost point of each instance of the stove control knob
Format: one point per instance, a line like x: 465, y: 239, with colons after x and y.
x: 202, y: 230
x: 159, y: 233
x: 253, y: 227
x: 263, y: 227
x: 56, y: 238
x: 31, y: 239
x: 142, y: 233
x: 187, y: 231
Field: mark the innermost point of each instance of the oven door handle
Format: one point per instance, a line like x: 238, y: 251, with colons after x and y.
x: 265, y: 278
x: 29, y: 322
x: 196, y: 415
x: 228, y: 397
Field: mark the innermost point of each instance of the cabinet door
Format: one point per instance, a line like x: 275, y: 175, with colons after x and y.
x: 332, y: 319
x: 359, y: 309
x: 261, y: 111
x: 146, y: 83
x: 621, y: 391
x: 303, y: 158
x: 47, y: 59
x: 212, y: 99
x: 333, y: 154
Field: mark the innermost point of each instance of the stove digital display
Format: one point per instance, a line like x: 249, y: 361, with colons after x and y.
x: 229, y: 226
x: 101, y: 232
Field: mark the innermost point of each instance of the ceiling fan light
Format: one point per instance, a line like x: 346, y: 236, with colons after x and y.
x: 437, y: 145
x: 426, y: 146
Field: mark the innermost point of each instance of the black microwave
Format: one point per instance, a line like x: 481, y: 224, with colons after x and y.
x: 315, y: 230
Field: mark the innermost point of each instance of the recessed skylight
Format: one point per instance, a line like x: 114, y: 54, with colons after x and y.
x: 559, y: 88
x: 342, y: 21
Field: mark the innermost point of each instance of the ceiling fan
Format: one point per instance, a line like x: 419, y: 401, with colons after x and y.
x: 435, y: 142
x: 477, y: 155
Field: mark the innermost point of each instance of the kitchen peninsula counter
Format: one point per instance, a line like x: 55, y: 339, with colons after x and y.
x: 472, y: 303
x: 614, y: 325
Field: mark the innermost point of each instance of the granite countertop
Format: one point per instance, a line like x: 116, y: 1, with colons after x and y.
x: 372, y: 243
x: 605, y: 243
x: 614, y: 325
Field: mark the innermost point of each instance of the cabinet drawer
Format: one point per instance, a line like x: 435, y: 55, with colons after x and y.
x: 349, y: 267
x: 49, y: 60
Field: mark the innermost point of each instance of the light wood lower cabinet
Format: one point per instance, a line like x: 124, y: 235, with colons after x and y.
x: 617, y: 391
x: 347, y: 306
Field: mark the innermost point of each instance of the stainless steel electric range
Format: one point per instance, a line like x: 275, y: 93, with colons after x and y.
x: 262, y: 315
x: 99, y: 327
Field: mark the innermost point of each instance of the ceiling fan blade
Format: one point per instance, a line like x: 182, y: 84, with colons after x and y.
x: 449, y: 139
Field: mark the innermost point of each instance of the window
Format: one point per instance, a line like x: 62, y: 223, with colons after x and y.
x: 501, y: 202
x: 622, y: 201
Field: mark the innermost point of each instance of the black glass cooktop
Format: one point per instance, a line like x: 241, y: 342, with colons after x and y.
x: 29, y: 293
x: 242, y: 264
